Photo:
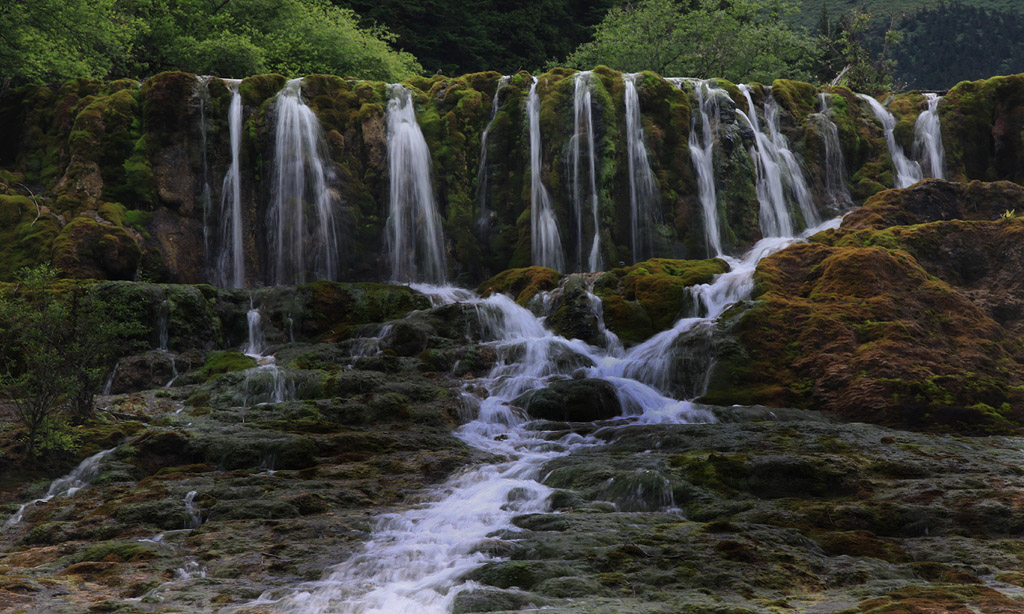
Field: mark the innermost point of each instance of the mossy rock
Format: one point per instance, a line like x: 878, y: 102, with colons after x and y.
x: 575, y: 400
x: 218, y: 363
x: 85, y: 248
x: 521, y: 284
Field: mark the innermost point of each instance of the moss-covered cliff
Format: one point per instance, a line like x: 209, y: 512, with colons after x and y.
x: 123, y: 180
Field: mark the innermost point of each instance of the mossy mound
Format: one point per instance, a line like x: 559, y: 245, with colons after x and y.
x: 521, y: 284
x: 935, y: 200
x: 911, y: 325
x: 648, y: 297
x: 88, y: 248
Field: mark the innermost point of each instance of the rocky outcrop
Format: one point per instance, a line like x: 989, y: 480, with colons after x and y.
x: 908, y: 314
x: 159, y: 151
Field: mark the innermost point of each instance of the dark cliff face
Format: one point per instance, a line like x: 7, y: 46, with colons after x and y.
x: 123, y: 180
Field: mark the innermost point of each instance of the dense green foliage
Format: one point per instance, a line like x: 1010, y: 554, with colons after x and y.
x: 744, y: 40
x: 955, y: 42
x: 46, y: 40
x: 461, y: 37
x: 56, y: 345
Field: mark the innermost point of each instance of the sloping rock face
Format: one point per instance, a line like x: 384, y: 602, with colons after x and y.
x: 908, y: 314
x: 124, y: 180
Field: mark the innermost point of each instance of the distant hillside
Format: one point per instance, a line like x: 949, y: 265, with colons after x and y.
x: 810, y: 10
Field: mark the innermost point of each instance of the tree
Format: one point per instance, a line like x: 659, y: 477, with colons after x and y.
x: 46, y: 40
x: 741, y: 40
x: 848, y: 58
x: 57, y: 340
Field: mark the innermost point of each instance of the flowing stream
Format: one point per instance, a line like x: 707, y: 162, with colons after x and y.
x: 416, y: 560
x: 65, y: 486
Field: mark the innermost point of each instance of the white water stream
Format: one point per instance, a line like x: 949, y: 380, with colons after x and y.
x: 644, y: 195
x: 415, y: 240
x: 303, y: 236
x: 483, y: 216
x: 584, y: 163
x: 837, y: 194
x: 545, y: 239
x: 928, y: 139
x: 702, y: 145
x: 908, y: 172
x: 231, y: 263
x: 65, y: 486
x: 416, y: 560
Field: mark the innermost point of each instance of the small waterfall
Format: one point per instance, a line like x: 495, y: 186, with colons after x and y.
x: 836, y: 190
x: 108, y: 386
x: 481, y: 175
x: 928, y: 139
x: 546, y: 242
x: 65, y: 486
x: 163, y: 334
x: 908, y: 172
x: 195, y: 517
x: 793, y: 174
x: 257, y: 341
x: 702, y: 144
x: 300, y: 220
x: 414, y: 234
x: 231, y: 263
x: 774, y: 215
x: 583, y: 130
x: 266, y: 380
x: 644, y: 210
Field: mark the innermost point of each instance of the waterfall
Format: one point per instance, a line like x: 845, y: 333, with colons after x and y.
x: 644, y: 195
x: 583, y: 129
x: 928, y: 138
x: 481, y: 175
x: 65, y: 486
x: 908, y: 172
x: 702, y: 144
x: 303, y: 241
x: 545, y: 240
x: 278, y: 389
x: 414, y: 235
x: 257, y: 341
x: 231, y: 262
x: 774, y: 214
x: 793, y: 174
x: 836, y: 190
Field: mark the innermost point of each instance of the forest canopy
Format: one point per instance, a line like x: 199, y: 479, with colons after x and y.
x: 48, y: 40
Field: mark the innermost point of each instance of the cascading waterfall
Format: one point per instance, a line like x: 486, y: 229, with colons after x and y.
x: 416, y: 560
x: 278, y: 389
x: 702, y: 144
x: 908, y: 172
x: 928, y: 139
x: 231, y: 262
x: 644, y: 210
x: 481, y: 176
x: 793, y: 174
x: 583, y: 130
x: 303, y: 241
x: 774, y: 214
x: 414, y: 234
x: 163, y: 335
x: 546, y: 241
x: 65, y: 486
x: 837, y: 193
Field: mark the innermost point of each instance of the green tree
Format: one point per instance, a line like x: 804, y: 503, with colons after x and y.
x: 848, y: 58
x: 741, y: 40
x: 57, y: 340
x: 46, y: 40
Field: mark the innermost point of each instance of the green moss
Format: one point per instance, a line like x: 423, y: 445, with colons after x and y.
x: 521, y: 284
x: 87, y: 249
x: 797, y: 97
x: 218, y: 363
x: 123, y: 551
